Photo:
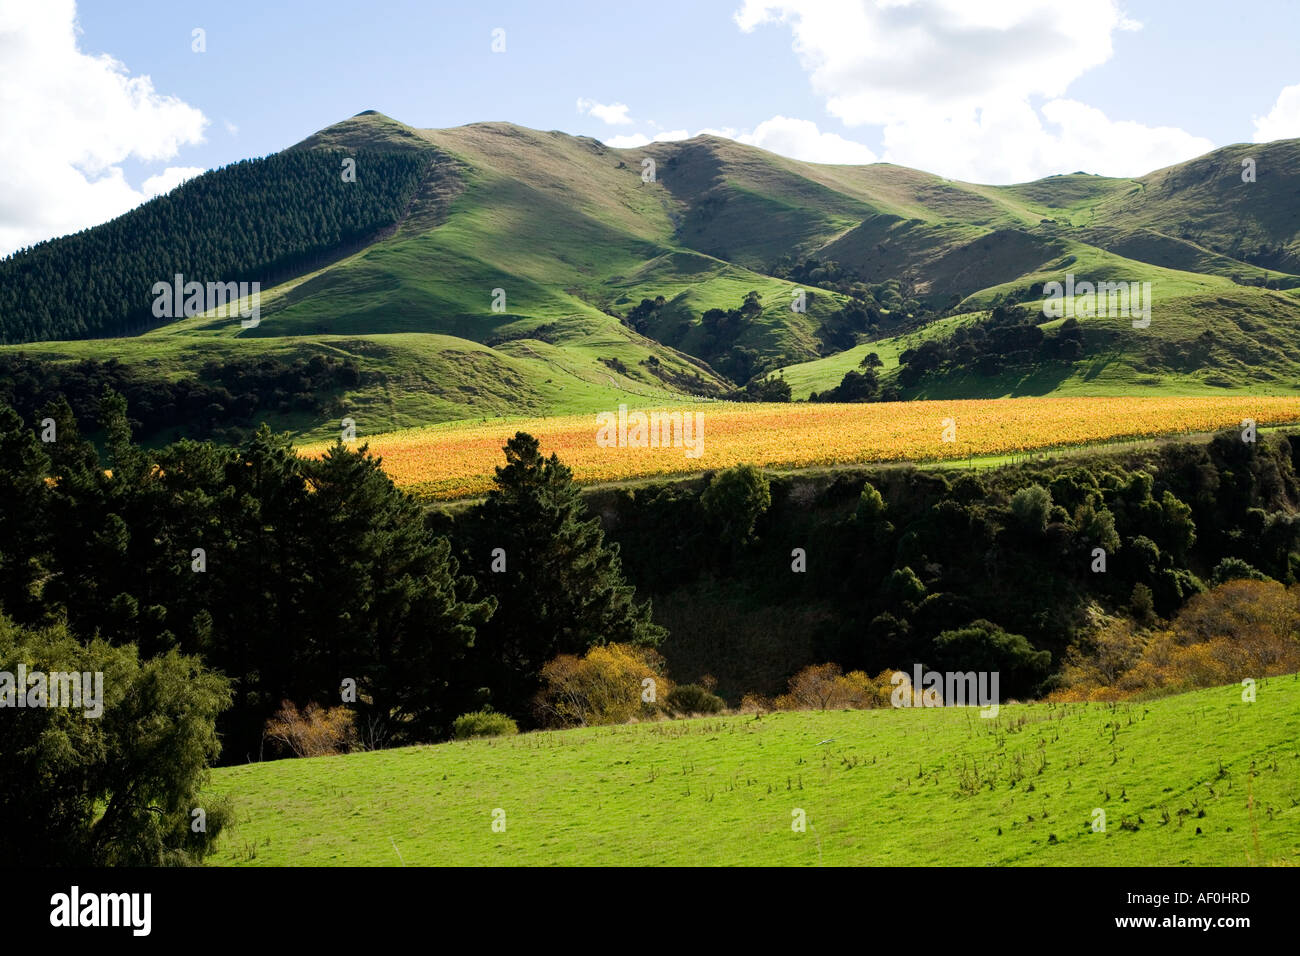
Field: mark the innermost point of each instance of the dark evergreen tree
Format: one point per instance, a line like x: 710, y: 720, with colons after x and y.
x: 392, y: 610
x: 24, y: 534
x: 559, y: 587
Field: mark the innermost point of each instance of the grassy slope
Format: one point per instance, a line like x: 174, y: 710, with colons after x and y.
x: 1181, y: 228
x: 567, y: 228
x: 885, y: 787
x: 428, y: 378
x: 1204, y: 200
x: 821, y: 374
x: 1254, y: 352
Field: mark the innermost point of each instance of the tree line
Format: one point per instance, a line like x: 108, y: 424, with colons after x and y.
x: 290, y: 575
x: 893, y: 558
x: 221, y: 400
x: 1009, y: 337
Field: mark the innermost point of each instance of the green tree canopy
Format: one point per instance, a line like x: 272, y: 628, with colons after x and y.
x: 559, y: 588
x: 120, y: 788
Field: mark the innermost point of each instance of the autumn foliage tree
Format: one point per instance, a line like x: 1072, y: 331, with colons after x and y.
x: 610, y: 684
x: 1242, y: 628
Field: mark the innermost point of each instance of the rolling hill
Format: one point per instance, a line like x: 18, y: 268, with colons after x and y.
x: 493, y: 270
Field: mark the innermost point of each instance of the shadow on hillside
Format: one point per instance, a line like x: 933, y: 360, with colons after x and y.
x: 1020, y: 383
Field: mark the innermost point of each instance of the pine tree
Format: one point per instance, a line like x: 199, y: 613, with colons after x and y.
x: 392, y: 610
x: 562, y: 588
x: 24, y: 496
x: 260, y: 581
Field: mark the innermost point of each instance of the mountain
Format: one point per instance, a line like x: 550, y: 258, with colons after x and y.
x: 496, y: 270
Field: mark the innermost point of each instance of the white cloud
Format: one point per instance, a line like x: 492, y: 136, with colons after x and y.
x: 630, y: 141
x: 169, y: 179
x: 633, y: 140
x: 231, y: 128
x: 67, y: 121
x: 1114, y: 147
x: 1012, y: 142
x: 615, y: 114
x: 879, y: 62
x: 951, y: 83
x: 800, y: 139
x: 1283, y: 121
x: 795, y: 138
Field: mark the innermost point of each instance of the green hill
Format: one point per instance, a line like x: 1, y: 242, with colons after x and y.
x: 1197, y: 779
x: 518, y: 257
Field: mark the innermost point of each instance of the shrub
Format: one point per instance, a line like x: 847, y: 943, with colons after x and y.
x: 1231, y: 569
x: 1142, y: 605
x: 903, y: 586
x: 735, y: 500
x: 871, y: 506
x: 983, y: 646
x: 826, y: 687
x: 1096, y: 525
x: 1095, y: 665
x: 1242, y: 628
x: 694, y: 699
x: 483, y: 723
x: 1031, y: 507
x: 607, y: 685
x: 313, y: 731
x: 968, y: 489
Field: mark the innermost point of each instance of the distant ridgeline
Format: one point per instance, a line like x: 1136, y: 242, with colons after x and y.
x: 251, y: 221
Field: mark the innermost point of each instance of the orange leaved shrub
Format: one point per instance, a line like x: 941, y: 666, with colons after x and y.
x: 1242, y: 628
x: 826, y: 687
x: 313, y: 731
x: 610, y: 684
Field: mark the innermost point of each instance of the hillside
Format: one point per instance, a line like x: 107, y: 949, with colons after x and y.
x: 613, y: 289
x: 1199, y: 779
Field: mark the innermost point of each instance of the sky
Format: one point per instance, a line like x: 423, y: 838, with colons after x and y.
x: 106, y: 103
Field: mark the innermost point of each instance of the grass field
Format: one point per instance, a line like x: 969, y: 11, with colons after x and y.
x: 457, y: 460
x: 1198, y: 779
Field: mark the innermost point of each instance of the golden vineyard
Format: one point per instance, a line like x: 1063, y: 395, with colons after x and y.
x: 457, y: 460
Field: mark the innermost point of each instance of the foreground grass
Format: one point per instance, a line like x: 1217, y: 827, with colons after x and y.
x: 1200, y: 779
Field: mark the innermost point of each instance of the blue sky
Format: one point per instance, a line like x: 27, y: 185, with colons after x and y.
x: 992, y: 92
